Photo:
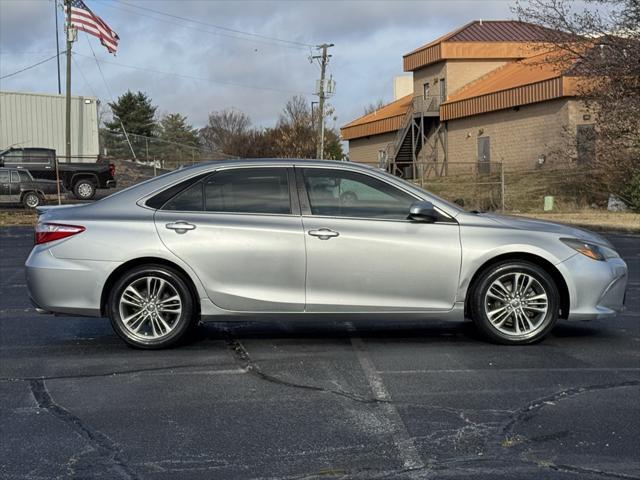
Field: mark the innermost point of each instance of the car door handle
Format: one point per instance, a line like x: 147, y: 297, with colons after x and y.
x: 323, y: 233
x: 180, y: 227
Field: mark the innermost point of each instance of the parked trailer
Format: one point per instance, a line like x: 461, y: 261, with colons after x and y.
x: 38, y: 120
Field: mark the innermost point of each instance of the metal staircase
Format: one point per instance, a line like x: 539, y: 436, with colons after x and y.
x: 414, y: 151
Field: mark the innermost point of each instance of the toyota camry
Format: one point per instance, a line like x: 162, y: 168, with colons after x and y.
x: 266, y: 239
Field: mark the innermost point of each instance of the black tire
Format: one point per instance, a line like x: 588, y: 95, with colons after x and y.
x: 183, y: 322
x: 84, y: 189
x: 479, y: 298
x: 31, y: 200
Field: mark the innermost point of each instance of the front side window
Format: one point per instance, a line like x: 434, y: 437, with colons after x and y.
x: 349, y: 194
x: 241, y: 190
x: 24, y: 176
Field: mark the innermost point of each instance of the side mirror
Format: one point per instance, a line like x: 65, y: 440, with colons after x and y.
x: 423, y: 212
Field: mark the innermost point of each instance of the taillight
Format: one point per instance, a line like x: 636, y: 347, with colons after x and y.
x: 112, y: 170
x: 48, y: 232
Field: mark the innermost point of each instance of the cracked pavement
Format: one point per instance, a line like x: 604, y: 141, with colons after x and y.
x: 332, y: 400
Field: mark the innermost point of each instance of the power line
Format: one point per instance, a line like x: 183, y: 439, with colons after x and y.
x: 191, y: 77
x: 31, y: 66
x: 253, y: 40
x: 218, y: 27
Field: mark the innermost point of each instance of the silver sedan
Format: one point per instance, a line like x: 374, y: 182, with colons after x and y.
x: 296, y: 238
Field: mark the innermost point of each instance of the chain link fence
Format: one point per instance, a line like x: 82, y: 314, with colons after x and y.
x: 495, y: 186
x: 154, y: 151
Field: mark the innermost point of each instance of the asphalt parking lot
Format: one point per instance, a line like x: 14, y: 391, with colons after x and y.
x: 309, y: 400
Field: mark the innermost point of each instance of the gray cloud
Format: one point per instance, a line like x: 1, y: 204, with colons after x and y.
x: 370, y: 38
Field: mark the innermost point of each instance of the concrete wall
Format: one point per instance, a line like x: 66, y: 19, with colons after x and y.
x: 38, y: 120
x: 365, y: 149
x: 518, y: 137
x: 461, y: 72
x: 432, y: 74
x: 402, y: 86
x: 457, y: 73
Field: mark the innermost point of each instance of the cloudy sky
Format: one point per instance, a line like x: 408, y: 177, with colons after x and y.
x: 190, y: 66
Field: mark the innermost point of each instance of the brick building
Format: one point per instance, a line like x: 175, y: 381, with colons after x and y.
x: 487, y: 92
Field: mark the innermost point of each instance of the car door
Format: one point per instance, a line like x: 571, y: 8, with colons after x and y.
x: 5, y: 186
x: 362, y: 252
x: 14, y: 187
x: 240, y: 230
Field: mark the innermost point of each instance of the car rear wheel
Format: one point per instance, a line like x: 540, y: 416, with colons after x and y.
x: 515, y: 303
x: 31, y: 200
x: 84, y: 189
x: 151, y: 307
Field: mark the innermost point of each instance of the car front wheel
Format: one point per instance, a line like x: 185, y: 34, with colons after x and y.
x: 151, y: 307
x: 515, y: 303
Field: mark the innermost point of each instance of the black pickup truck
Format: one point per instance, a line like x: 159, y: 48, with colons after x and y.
x: 80, y: 178
x: 18, y: 186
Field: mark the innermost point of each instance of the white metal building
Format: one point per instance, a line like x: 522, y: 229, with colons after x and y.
x: 38, y: 120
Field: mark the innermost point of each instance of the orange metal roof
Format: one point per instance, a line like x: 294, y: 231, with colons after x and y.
x: 385, y: 119
x: 530, y: 70
x: 498, y: 39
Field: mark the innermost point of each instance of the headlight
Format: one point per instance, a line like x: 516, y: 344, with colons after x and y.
x: 591, y: 250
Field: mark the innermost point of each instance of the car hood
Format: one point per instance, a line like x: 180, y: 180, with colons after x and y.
x: 524, y: 223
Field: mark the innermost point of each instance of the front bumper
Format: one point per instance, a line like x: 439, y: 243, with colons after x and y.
x: 596, y: 289
x: 64, y: 286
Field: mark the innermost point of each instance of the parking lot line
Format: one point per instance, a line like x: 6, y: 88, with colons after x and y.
x: 403, y: 441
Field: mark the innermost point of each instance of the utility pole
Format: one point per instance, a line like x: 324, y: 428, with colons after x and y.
x: 322, y: 94
x: 71, y: 33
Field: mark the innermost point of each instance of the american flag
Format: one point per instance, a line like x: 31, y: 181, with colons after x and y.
x: 84, y: 19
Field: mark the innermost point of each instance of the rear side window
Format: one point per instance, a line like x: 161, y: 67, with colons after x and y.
x: 189, y: 200
x: 159, y: 200
x: 15, y: 177
x: 248, y: 190
x: 241, y: 190
x: 4, y: 176
x: 14, y: 156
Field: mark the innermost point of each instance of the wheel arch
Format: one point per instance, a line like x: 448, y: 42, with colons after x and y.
x: 563, y: 289
x: 76, y: 177
x: 137, y: 262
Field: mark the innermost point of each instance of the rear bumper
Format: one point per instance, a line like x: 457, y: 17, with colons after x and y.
x: 111, y: 184
x: 597, y: 289
x: 72, y: 287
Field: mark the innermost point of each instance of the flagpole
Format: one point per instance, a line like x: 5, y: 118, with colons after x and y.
x: 55, y: 11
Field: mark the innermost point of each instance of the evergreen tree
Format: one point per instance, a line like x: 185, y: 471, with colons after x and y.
x: 135, y: 112
x: 178, y: 139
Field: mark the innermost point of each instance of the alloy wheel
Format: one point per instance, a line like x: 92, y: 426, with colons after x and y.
x: 150, y: 308
x: 516, y: 304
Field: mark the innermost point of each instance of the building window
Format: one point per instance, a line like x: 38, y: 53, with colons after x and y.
x: 425, y: 90
x: 443, y: 90
x: 586, y: 144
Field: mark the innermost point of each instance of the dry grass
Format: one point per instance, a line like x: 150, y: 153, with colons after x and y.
x: 12, y: 218
x: 595, y: 220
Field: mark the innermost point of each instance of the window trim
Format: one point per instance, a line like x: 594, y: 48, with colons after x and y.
x: 293, y: 197
x: 305, y: 202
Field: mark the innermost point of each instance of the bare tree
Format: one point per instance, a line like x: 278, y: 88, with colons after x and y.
x: 599, y: 46
x: 372, y: 107
x: 227, y: 132
x: 294, y: 135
